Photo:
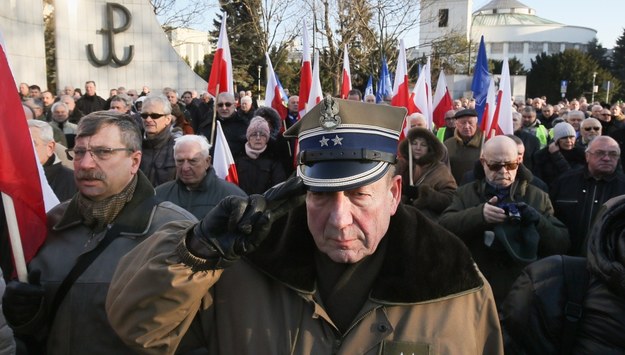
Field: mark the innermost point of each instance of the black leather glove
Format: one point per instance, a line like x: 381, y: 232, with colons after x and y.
x: 529, y: 215
x: 237, y: 225
x: 23, y: 304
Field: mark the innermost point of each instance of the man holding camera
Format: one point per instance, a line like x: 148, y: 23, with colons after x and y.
x: 505, y: 221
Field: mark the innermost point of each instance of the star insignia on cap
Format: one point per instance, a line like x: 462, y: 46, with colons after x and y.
x: 337, y: 140
x: 324, y: 141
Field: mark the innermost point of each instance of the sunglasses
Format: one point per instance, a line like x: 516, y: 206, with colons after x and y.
x: 498, y: 166
x: 222, y: 104
x: 588, y: 129
x: 153, y: 116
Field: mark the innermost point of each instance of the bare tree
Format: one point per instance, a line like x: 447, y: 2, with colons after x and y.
x: 173, y: 14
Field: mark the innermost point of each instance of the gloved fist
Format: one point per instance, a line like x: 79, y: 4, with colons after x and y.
x: 529, y: 215
x: 23, y: 304
x: 237, y: 225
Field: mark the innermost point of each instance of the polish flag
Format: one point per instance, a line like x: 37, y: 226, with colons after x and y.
x: 347, y: 76
x: 305, y: 81
x: 490, y: 105
x: 442, y: 101
x: 401, y: 90
x: 316, y: 94
x: 221, y: 79
x: 21, y: 176
x: 422, y: 94
x: 223, y: 163
x: 273, y: 91
x: 502, y: 118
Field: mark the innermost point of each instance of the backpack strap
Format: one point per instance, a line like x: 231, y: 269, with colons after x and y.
x: 575, y: 286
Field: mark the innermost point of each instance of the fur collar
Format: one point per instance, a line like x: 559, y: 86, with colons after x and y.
x: 418, y: 266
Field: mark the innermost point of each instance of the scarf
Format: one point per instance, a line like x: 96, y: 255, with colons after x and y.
x: 253, y: 153
x: 98, y: 214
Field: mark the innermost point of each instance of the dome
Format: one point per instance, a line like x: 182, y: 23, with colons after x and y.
x: 507, y: 13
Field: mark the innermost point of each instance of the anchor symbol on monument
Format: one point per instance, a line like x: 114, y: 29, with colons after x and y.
x: 110, y: 37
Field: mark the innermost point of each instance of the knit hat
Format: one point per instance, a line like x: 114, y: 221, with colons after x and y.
x: 257, y: 124
x: 563, y: 130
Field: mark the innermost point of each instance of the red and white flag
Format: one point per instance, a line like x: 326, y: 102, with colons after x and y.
x: 316, y: 94
x: 401, y: 90
x: 442, y: 101
x: 220, y: 79
x: 422, y: 93
x: 305, y: 81
x: 346, y: 85
x: 273, y: 94
x: 223, y: 163
x: 20, y: 177
x: 489, y: 108
x: 502, y: 118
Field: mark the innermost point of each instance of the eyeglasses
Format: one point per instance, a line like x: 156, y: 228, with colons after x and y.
x: 258, y: 135
x: 222, y: 104
x: 603, y: 153
x: 153, y: 116
x: 97, y: 153
x: 588, y: 129
x: 498, y: 166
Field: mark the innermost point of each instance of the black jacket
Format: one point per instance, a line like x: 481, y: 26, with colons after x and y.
x: 87, y: 104
x: 258, y: 175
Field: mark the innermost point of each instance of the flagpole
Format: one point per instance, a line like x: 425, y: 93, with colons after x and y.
x: 14, y: 236
x: 410, y: 162
x: 214, y: 113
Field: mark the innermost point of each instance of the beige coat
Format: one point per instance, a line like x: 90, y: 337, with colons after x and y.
x: 428, y: 298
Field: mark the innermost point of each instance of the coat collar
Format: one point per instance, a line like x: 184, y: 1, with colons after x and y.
x: 132, y: 219
x: 418, y: 266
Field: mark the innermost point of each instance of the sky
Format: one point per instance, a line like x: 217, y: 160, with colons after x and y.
x: 607, y: 17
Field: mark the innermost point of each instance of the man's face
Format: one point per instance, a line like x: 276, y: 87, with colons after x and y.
x: 353, y: 97
x: 90, y: 89
x: 602, y: 157
x: 466, y: 126
x: 24, y: 90
x: 574, y: 121
x: 68, y: 90
x: 538, y: 104
x: 97, y: 178
x: 119, y: 106
x: 574, y: 105
x: 606, y: 115
x: 60, y: 114
x: 47, y: 98
x: 44, y: 151
x: 155, y: 126
x: 225, y: 107
x: 528, y: 118
x: 370, y: 99
x: 450, y: 122
x: 246, y: 106
x: 457, y: 105
x: 348, y: 225
x: 517, y: 123
x: 187, y: 99
x: 113, y: 92
x: 547, y: 111
x: 293, y: 104
x: 596, y: 112
x: 501, y: 165
x: 191, y: 166
x: 34, y: 93
x: 172, y: 97
x: 590, y: 131
x: 145, y: 90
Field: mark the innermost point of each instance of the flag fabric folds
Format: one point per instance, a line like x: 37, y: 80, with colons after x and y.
x: 223, y: 163
x: 220, y: 78
x: 422, y: 94
x: 401, y: 90
x: 316, y: 94
x: 369, y: 87
x: 20, y: 180
x: 346, y: 84
x: 481, y: 76
x: 502, y: 118
x: 489, y: 108
x: 385, y: 88
x: 274, y: 96
x: 305, y: 82
x: 442, y: 101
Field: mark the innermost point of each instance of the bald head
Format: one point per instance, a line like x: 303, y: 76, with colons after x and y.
x: 500, y: 161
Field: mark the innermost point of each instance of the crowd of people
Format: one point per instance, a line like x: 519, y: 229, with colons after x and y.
x: 338, y: 238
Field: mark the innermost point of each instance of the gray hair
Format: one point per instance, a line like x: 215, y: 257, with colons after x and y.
x: 151, y: 99
x: 246, y: 99
x: 130, y: 135
x: 125, y: 99
x: 59, y: 103
x: 191, y: 138
x: 46, y: 134
x: 226, y: 96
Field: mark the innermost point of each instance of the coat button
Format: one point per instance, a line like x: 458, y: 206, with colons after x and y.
x: 382, y: 328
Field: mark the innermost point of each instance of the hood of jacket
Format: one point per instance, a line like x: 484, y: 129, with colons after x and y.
x: 436, y: 149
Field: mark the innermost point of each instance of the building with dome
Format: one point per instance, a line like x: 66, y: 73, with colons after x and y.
x: 510, y: 28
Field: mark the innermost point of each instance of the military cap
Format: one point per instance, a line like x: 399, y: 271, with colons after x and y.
x: 346, y: 144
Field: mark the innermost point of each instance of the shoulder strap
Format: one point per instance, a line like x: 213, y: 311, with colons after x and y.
x: 86, y: 259
x: 575, y: 286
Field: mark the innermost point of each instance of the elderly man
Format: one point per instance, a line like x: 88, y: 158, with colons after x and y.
x: 293, y: 111
x: 197, y: 189
x: 59, y: 177
x: 447, y: 131
x: 590, y: 129
x: 158, y: 145
x: 233, y: 125
x: 578, y: 194
x: 464, y: 147
x: 60, y: 120
x: 74, y: 113
x: 246, y: 111
x: 575, y: 119
x: 90, y: 101
x: 348, y: 270
x: 370, y: 99
x: 498, y: 209
x: 121, y: 103
x: 114, y: 211
x: 533, y: 126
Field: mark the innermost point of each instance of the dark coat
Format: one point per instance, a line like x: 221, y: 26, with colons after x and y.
x: 87, y: 104
x: 548, y: 166
x: 60, y: 178
x: 462, y: 154
x: 258, y: 175
x: 531, y: 144
x: 533, y: 313
x: 465, y: 218
x: 157, y: 161
x: 434, y: 186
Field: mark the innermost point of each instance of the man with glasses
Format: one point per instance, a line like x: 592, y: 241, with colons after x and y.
x: 578, y: 194
x: 114, y: 210
x: 501, y: 206
x: 590, y: 129
x: 158, y: 143
x: 197, y: 188
x: 234, y: 126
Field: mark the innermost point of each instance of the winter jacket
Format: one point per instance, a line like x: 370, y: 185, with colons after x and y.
x: 577, y: 197
x: 548, y: 166
x: 80, y: 325
x: 533, y: 313
x: 462, y: 154
x: 427, y: 298
x: 157, y: 160
x: 7, y: 343
x: 465, y: 218
x: 87, y: 104
x: 60, y: 178
x: 258, y: 175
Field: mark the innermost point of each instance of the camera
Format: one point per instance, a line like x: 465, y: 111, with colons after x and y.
x: 512, y: 211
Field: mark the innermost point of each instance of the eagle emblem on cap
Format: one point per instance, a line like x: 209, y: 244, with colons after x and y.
x: 329, y: 119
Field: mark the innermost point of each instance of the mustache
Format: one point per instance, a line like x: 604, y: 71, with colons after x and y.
x: 90, y: 175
